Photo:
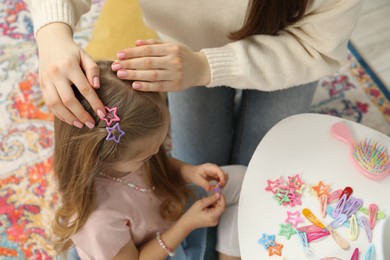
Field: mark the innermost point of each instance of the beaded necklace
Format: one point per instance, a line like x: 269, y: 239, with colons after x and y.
x: 131, y: 185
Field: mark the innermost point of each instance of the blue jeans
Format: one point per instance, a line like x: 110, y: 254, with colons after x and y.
x: 211, y: 125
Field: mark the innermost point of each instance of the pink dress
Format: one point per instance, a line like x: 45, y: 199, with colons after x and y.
x: 121, y: 214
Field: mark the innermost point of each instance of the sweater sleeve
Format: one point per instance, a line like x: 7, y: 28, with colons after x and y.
x: 313, y: 47
x: 64, y: 11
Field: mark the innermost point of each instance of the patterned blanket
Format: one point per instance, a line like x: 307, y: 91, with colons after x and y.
x: 28, y: 194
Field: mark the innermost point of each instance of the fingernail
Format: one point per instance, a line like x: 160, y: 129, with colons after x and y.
x: 120, y: 55
x: 116, y: 66
x: 137, y: 85
x: 100, y: 113
x: 78, y: 124
x: 139, y: 42
x: 217, y: 194
x: 121, y: 73
x: 89, y: 125
x: 96, y: 82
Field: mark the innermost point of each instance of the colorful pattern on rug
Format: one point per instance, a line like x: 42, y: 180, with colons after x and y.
x: 28, y: 194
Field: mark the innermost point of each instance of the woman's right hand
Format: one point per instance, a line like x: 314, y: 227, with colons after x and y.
x: 204, y: 212
x: 63, y: 63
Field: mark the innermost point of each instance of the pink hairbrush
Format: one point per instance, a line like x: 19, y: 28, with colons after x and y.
x: 370, y: 157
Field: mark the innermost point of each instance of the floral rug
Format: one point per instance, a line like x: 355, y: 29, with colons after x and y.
x: 27, y: 191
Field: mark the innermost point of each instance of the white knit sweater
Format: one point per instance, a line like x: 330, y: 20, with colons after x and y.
x: 312, y: 48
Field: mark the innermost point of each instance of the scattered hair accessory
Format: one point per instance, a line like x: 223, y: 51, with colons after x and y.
x: 311, y: 236
x: 337, y: 222
x: 380, y: 214
x: 286, y: 230
x: 355, y: 255
x: 348, y: 191
x: 353, y: 228
x: 367, y: 228
x: 340, y: 205
x: 275, y: 249
x: 334, y: 195
x: 321, y: 188
x: 266, y: 240
x: 370, y: 255
x: 323, y: 203
x: 372, y: 213
x: 303, y: 239
x: 294, y: 218
x: 352, y: 206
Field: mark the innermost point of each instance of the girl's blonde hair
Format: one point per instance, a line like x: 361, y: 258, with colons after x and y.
x: 80, y: 154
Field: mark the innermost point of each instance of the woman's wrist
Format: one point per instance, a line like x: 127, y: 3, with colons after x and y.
x: 205, y: 72
x: 56, y: 31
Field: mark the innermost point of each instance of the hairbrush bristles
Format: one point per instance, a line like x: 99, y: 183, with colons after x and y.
x: 372, y: 156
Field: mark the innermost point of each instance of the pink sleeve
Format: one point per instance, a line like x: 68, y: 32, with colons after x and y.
x: 102, y: 236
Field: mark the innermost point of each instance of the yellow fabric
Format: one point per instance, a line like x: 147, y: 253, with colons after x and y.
x: 119, y: 25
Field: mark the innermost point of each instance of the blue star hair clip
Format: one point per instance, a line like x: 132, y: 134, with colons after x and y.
x: 115, y: 132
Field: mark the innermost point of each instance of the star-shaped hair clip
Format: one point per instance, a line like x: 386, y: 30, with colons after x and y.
x: 112, y: 133
x: 115, y: 132
x: 111, y: 116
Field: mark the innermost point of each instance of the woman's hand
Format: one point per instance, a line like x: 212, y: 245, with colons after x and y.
x: 157, y: 66
x: 204, y: 212
x: 206, y: 175
x: 63, y: 63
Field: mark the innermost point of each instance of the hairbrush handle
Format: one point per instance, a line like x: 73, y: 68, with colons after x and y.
x: 342, y: 132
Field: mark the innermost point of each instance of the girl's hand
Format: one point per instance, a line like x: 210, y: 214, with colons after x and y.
x: 203, y: 174
x: 63, y: 63
x: 159, y: 66
x: 204, y: 213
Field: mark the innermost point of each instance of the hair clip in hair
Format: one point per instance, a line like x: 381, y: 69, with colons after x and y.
x: 111, y: 133
x: 115, y: 132
x: 111, y: 116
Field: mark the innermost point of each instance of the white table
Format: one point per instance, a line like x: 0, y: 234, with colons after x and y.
x: 303, y: 144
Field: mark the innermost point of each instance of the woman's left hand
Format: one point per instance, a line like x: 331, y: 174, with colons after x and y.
x: 158, y: 66
x: 203, y: 174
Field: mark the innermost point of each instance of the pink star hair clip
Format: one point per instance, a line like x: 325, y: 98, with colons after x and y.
x: 111, y: 116
x: 114, y: 133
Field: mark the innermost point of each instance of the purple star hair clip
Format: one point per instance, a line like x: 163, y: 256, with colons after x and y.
x: 111, y: 135
x: 115, y: 132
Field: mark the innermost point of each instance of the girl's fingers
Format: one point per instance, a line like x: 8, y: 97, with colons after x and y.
x: 209, y: 200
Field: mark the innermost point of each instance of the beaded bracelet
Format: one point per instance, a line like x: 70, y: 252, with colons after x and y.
x: 163, y: 245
